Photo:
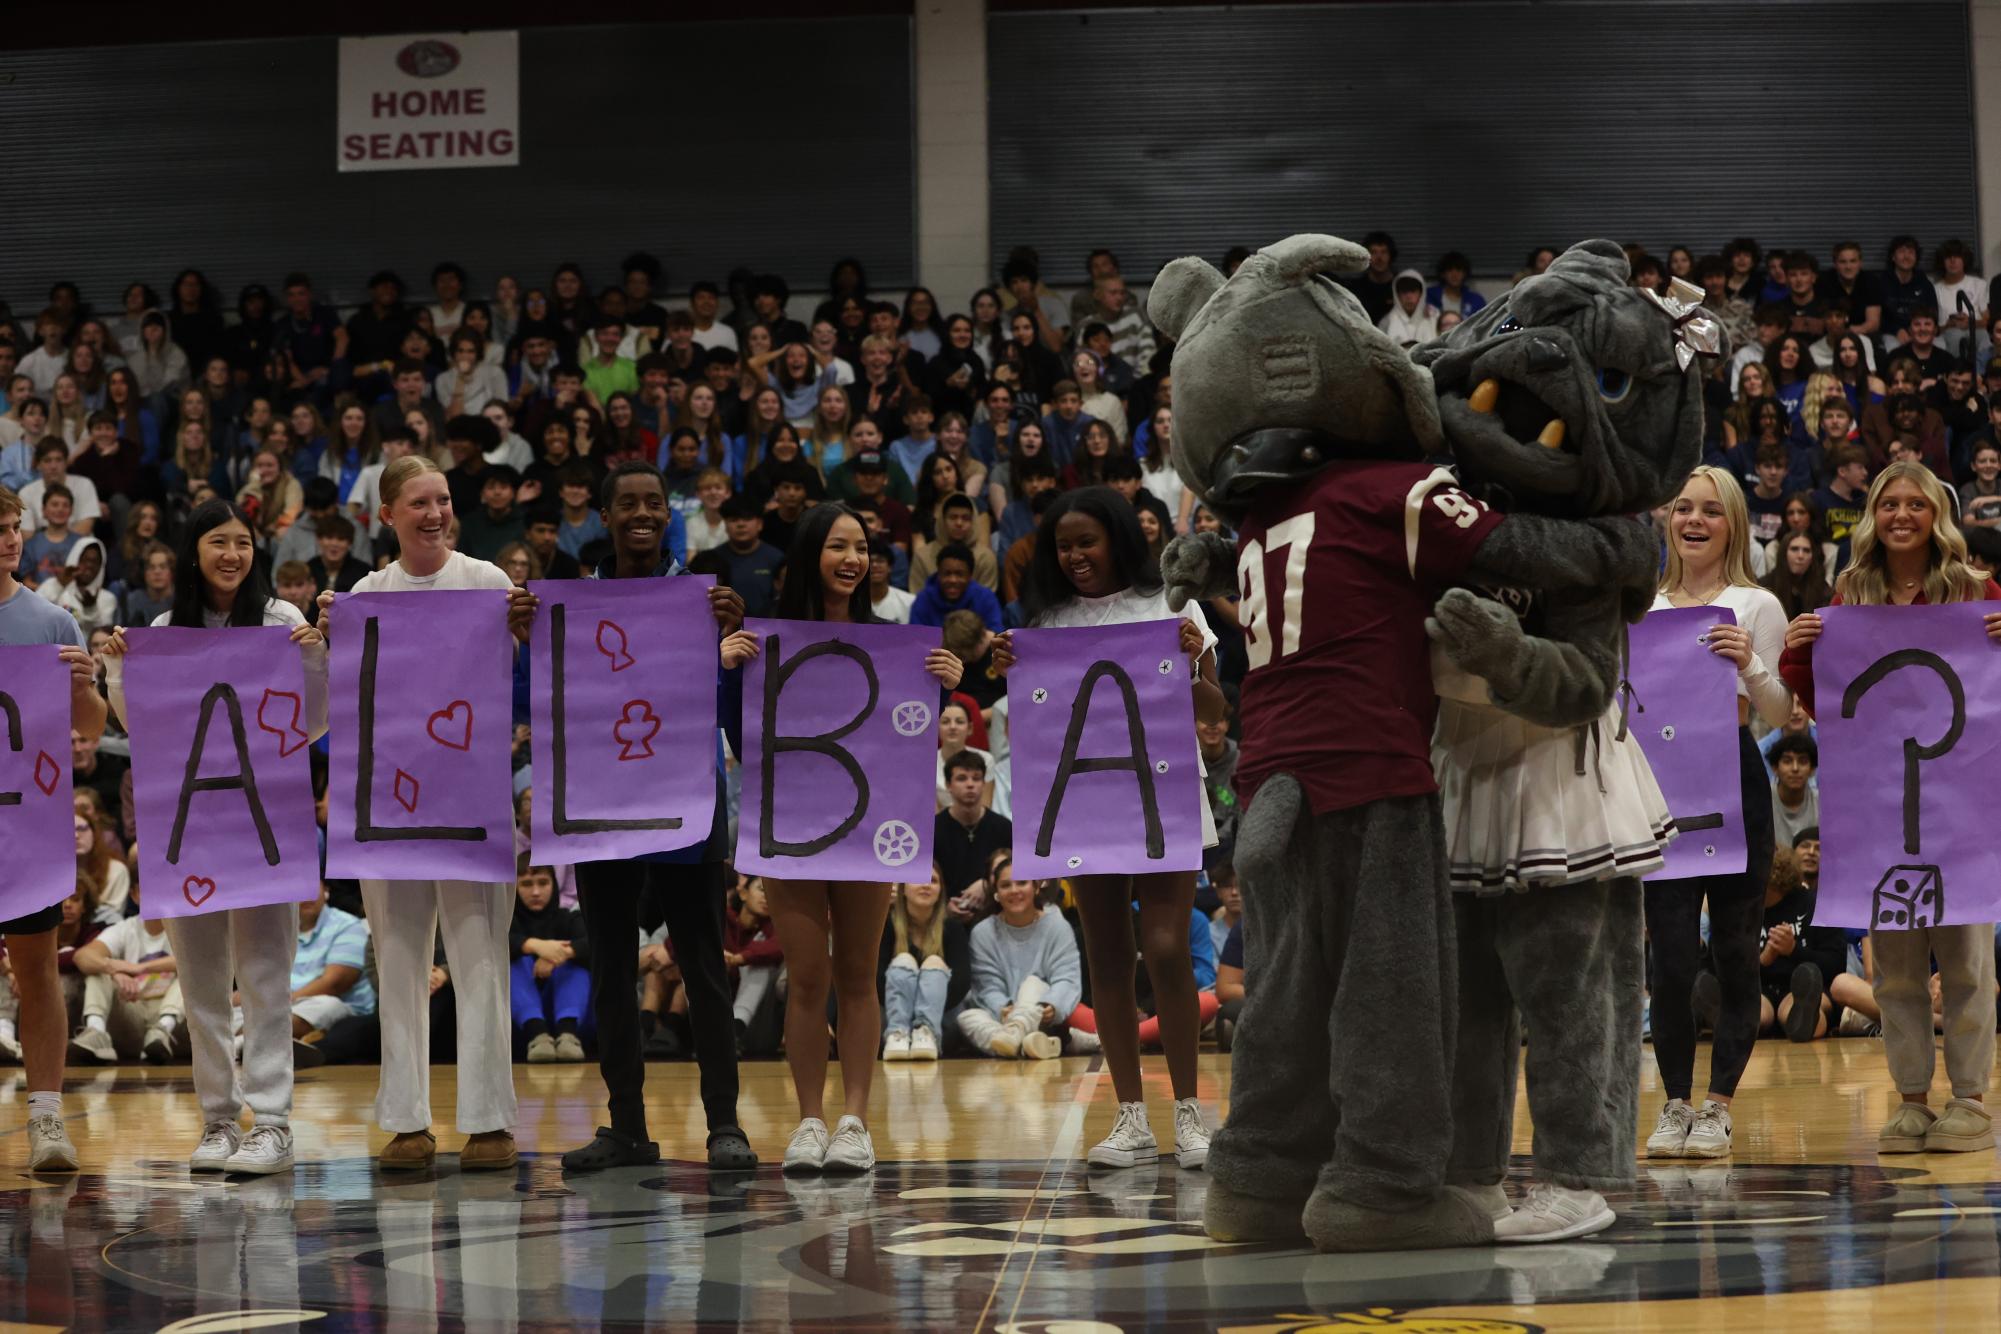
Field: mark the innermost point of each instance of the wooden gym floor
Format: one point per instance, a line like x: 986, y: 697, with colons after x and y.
x: 981, y: 1216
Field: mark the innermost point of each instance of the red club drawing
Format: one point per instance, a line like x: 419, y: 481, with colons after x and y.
x: 635, y: 730
x: 278, y: 714
x: 195, y: 883
x: 47, y: 773
x: 611, y: 643
x: 405, y: 790
x: 452, y: 725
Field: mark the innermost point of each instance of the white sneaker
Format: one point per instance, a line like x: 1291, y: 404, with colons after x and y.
x: 808, y: 1150
x: 266, y: 1149
x: 851, y: 1149
x: 49, y: 1147
x: 219, y: 1139
x: 896, y: 1046
x: 1130, y: 1143
x: 1085, y: 1044
x: 1670, y: 1137
x: 1855, y: 1024
x: 1041, y: 1046
x: 92, y: 1046
x: 1494, y: 1199
x: 158, y: 1048
x: 923, y: 1045
x: 1006, y: 1041
x: 1555, y: 1213
x: 10, y: 1049
x: 1709, y: 1137
x: 1191, y: 1137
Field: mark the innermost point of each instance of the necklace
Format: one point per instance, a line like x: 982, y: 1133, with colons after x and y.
x: 1705, y: 598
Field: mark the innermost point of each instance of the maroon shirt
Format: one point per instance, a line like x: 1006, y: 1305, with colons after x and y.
x: 1337, y: 576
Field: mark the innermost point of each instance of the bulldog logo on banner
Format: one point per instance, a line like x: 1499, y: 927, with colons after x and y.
x: 840, y: 769
x: 36, y: 827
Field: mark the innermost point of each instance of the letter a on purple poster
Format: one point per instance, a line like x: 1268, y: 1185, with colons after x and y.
x: 840, y: 762
x: 624, y: 710
x: 421, y: 784
x: 36, y: 826
x: 1909, y: 705
x: 1684, y: 713
x: 1101, y: 730
x: 220, y: 769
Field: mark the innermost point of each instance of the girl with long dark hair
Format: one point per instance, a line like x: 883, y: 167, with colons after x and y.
x: 827, y: 579
x: 1091, y: 568
x: 219, y: 581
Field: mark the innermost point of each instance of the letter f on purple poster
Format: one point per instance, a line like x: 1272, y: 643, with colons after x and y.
x: 1684, y: 713
x: 1101, y: 727
x: 36, y: 828
x: 624, y: 712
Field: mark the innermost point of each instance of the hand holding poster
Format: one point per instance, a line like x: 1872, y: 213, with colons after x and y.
x: 36, y: 828
x: 1684, y: 714
x: 1101, y: 729
x: 624, y: 715
x: 220, y: 770
x: 840, y: 769
x: 1909, y: 705
x: 421, y: 784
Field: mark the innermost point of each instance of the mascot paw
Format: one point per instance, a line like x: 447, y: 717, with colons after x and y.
x: 1478, y: 634
x: 1636, y: 558
x: 1198, y: 567
x: 1230, y: 1217
x: 1453, y: 1219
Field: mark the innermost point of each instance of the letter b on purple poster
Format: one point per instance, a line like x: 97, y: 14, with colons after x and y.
x: 1684, y: 712
x: 1101, y: 730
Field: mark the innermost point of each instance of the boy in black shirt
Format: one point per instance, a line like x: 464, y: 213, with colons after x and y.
x: 746, y: 562
x: 1798, y: 961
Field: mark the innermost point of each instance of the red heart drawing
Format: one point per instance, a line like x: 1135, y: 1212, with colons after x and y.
x: 456, y: 716
x: 194, y: 882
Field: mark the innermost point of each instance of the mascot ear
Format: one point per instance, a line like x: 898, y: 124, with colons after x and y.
x: 1178, y: 291
x: 1298, y: 257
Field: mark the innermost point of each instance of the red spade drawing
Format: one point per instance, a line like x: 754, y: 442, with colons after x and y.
x: 278, y: 714
x: 406, y: 784
x: 452, y: 725
x: 47, y: 772
x: 635, y: 730
x: 197, y: 882
x: 611, y: 643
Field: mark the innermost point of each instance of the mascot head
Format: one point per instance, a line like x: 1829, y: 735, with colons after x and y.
x: 1278, y: 371
x: 1575, y: 392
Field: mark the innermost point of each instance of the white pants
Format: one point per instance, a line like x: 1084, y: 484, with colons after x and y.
x: 403, y: 919
x: 980, y: 1026
x: 253, y: 948
x: 1903, y: 992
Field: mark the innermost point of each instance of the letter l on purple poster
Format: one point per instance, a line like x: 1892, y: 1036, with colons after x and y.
x: 1684, y: 713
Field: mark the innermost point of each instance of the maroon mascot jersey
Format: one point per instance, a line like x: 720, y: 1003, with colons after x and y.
x: 1337, y: 575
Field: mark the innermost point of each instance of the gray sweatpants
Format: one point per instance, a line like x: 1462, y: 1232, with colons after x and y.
x: 251, y: 951
x: 1341, y: 1072
x: 1903, y: 992
x: 1569, y: 961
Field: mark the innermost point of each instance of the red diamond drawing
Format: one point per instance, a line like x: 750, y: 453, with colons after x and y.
x: 406, y: 791
x: 47, y: 771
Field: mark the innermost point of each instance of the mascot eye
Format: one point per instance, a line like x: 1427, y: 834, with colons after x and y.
x: 1508, y: 326
x: 1614, y: 385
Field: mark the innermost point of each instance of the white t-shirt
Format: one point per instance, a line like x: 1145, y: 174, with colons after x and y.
x: 894, y: 605
x: 459, y: 572
x: 84, y: 505
x: 1972, y: 287
x: 131, y: 942
x: 716, y: 335
x: 1759, y: 612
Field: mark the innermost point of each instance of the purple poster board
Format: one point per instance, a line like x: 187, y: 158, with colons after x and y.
x: 422, y: 692
x: 36, y: 825
x: 1684, y: 713
x: 1101, y: 731
x: 625, y: 754
x: 840, y: 760
x: 220, y: 769
x: 1909, y: 705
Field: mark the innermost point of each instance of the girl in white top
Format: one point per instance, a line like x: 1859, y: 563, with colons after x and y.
x: 219, y: 582
x: 1091, y: 568
x: 403, y: 915
x: 1708, y: 565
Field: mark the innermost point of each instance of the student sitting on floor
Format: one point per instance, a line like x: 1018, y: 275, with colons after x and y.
x: 755, y: 959
x: 551, y: 986
x: 329, y: 977
x: 1798, y: 963
x: 1026, y: 973
x: 131, y: 995
x: 925, y: 967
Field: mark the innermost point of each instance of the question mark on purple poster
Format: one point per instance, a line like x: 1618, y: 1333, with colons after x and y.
x: 1911, y: 895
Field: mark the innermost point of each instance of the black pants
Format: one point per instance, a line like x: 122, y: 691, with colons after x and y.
x: 691, y: 896
x: 1736, y: 914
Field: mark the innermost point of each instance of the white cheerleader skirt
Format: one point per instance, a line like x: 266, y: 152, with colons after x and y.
x: 1528, y: 806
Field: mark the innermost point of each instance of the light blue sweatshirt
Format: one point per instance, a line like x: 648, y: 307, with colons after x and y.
x: 1005, y: 956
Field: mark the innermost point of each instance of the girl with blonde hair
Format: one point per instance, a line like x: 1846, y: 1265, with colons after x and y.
x: 1908, y: 551
x: 1709, y: 565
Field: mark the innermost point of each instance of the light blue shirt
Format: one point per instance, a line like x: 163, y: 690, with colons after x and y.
x: 30, y: 618
x: 338, y: 937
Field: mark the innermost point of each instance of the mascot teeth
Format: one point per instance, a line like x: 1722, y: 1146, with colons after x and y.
x: 1552, y: 434
x: 1485, y: 396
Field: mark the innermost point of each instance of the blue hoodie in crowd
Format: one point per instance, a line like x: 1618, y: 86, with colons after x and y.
x: 931, y: 608
x: 729, y: 713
